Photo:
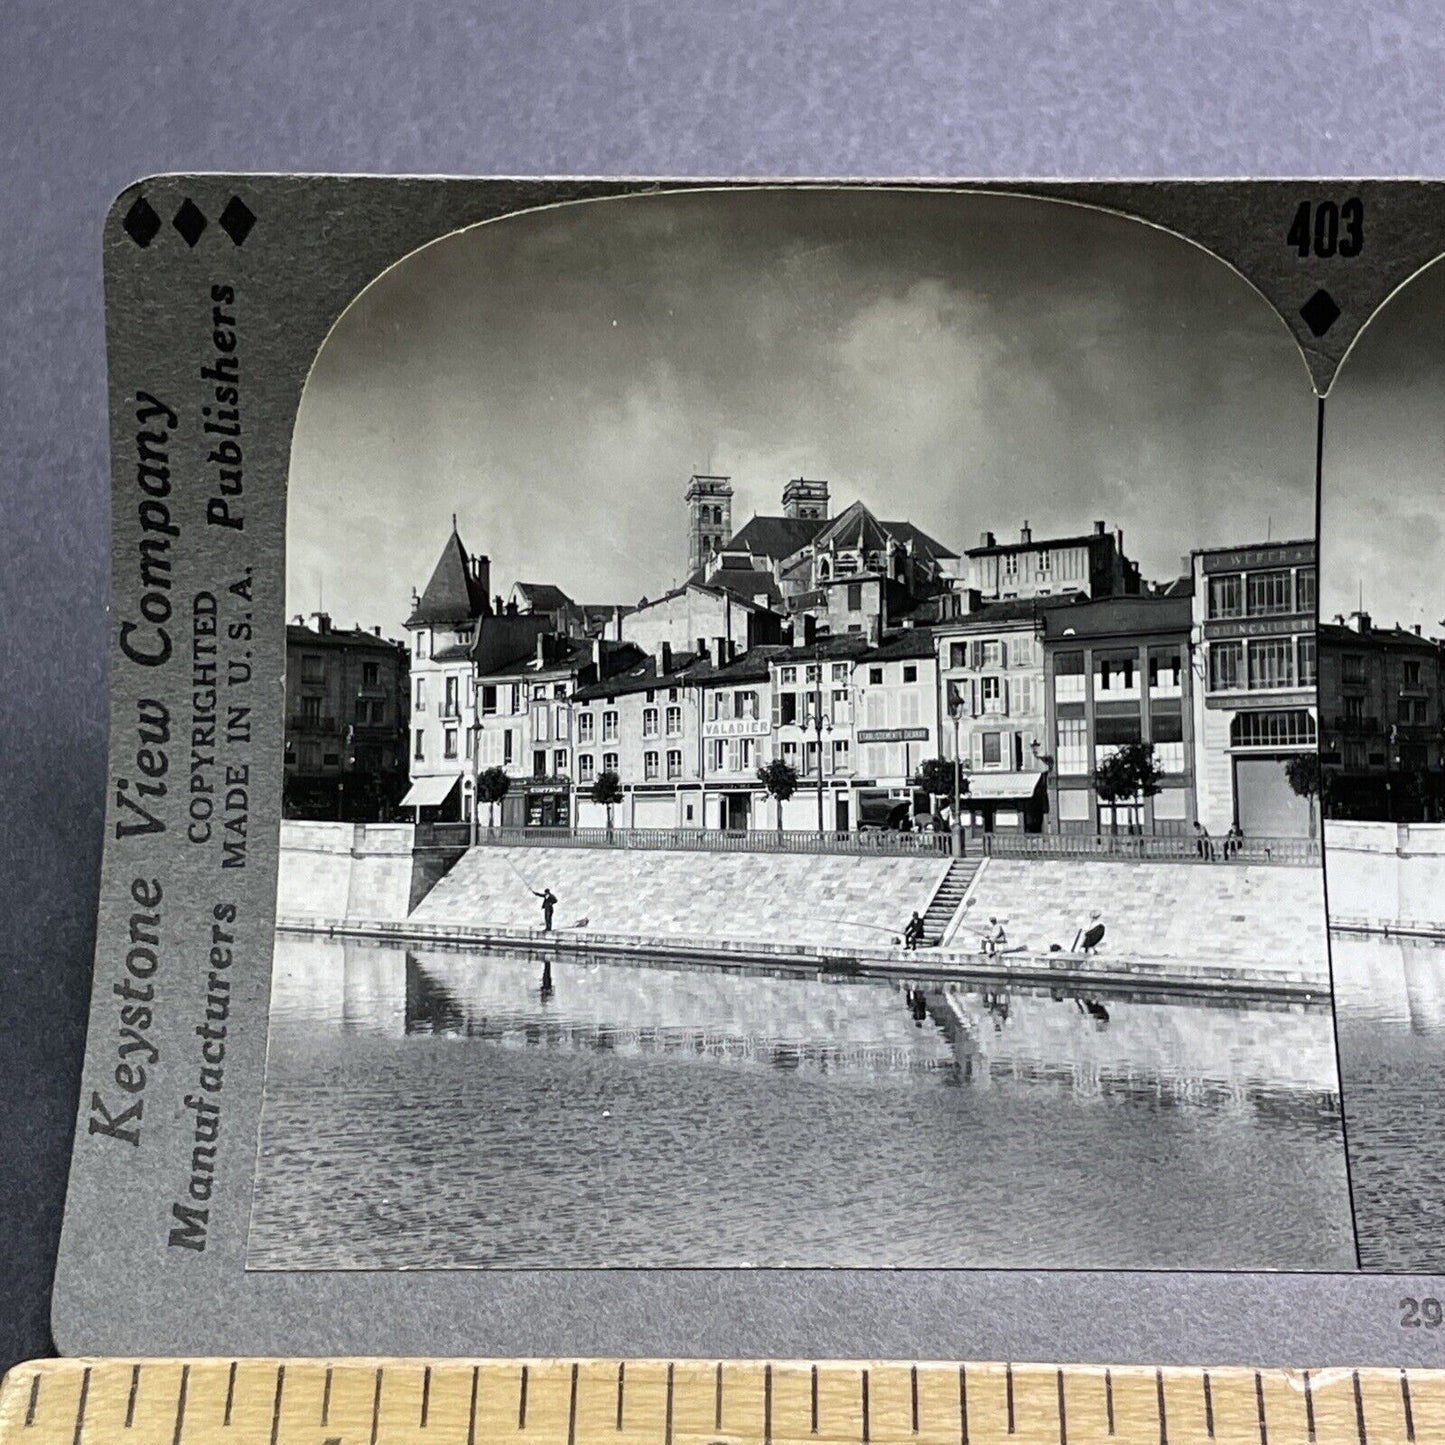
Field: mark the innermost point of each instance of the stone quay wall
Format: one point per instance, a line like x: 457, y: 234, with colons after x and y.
x: 1381, y: 874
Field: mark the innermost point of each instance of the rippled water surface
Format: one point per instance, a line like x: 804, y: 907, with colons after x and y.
x: 1391, y: 1001
x: 442, y: 1109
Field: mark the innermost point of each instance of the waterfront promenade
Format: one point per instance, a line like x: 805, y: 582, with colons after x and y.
x: 1183, y: 924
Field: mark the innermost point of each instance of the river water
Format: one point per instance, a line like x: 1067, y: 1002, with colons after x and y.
x: 1391, y: 1002
x: 432, y: 1109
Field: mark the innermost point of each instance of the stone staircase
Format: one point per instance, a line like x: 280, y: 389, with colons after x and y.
x: 946, y: 899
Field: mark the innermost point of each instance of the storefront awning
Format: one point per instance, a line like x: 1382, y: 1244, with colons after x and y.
x: 430, y: 792
x: 1002, y: 787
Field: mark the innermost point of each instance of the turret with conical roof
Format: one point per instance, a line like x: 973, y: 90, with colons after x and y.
x: 457, y: 594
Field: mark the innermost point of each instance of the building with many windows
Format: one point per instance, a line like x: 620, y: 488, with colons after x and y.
x: 346, y: 723
x: 1043, y: 567
x: 1254, y: 684
x: 1380, y: 722
x: 1117, y: 672
x: 735, y: 711
x: 639, y: 721
x: 992, y: 708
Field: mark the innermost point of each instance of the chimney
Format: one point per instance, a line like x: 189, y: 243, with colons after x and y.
x: 541, y: 649
x: 377, y: 629
x: 482, y: 571
x: 1099, y: 529
x: 597, y: 655
x: 664, y: 658
x: 497, y: 605
x: 985, y: 539
x: 323, y: 622
x: 1417, y: 629
x: 1026, y: 534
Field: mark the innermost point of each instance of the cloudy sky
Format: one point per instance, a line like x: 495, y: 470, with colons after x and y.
x: 1381, y: 535
x: 965, y: 363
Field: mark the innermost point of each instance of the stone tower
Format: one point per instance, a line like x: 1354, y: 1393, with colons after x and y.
x: 709, y: 518
x: 807, y: 499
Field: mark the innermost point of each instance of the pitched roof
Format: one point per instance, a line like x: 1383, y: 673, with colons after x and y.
x: 1129, y: 615
x: 854, y: 529
x: 302, y: 635
x: 1013, y: 609
x: 454, y: 594
x: 543, y: 596
x: 909, y: 642
x: 907, y: 532
x: 640, y: 677
x: 748, y: 584
x: 775, y: 537
x: 1334, y: 634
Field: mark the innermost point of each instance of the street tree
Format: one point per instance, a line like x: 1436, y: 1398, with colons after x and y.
x: 1308, y: 780
x: 607, y: 790
x: 935, y: 777
x: 781, y: 781
x: 1129, y: 772
x: 492, y: 786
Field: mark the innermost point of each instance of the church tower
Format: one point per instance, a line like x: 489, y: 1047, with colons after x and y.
x: 806, y: 499
x: 709, y: 518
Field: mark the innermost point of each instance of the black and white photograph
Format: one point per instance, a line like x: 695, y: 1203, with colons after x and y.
x: 1382, y: 631
x: 802, y: 749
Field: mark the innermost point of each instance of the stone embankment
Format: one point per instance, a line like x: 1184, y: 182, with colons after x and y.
x: 1386, y: 877
x: 1218, y: 928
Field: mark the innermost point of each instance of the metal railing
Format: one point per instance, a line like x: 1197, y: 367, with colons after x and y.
x: 1299, y: 852
x: 691, y: 840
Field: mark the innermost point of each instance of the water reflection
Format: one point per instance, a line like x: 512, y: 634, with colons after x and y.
x: 1390, y: 998
x: 440, y: 1108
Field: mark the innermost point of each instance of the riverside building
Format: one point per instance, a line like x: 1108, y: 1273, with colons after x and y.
x: 1117, y: 672
x: 346, y: 722
x: 1380, y: 722
x: 1254, y: 685
x: 992, y: 711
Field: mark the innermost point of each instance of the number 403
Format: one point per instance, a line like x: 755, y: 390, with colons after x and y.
x: 1328, y: 228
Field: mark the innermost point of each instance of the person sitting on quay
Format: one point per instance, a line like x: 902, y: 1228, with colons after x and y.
x: 549, y: 902
x: 913, y: 932
x: 994, y: 939
x: 1233, y: 841
x: 1203, y: 843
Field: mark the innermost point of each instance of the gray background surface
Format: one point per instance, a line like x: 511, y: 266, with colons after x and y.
x: 97, y: 95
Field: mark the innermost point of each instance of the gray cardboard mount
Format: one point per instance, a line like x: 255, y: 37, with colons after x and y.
x: 316, y: 242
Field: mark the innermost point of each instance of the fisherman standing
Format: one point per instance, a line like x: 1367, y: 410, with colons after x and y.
x: 549, y: 902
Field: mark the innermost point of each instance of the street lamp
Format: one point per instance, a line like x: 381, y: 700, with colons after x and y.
x: 820, y: 725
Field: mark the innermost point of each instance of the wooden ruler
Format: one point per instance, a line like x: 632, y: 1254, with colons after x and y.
x: 699, y: 1402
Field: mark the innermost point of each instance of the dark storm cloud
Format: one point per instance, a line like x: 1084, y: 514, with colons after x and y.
x: 963, y: 362
x: 1381, y: 538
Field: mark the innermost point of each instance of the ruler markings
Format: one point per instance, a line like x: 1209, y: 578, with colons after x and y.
x: 872, y: 1403
x: 276, y: 1404
x: 80, y: 1408
x: 130, y: 1397
x: 181, y: 1404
